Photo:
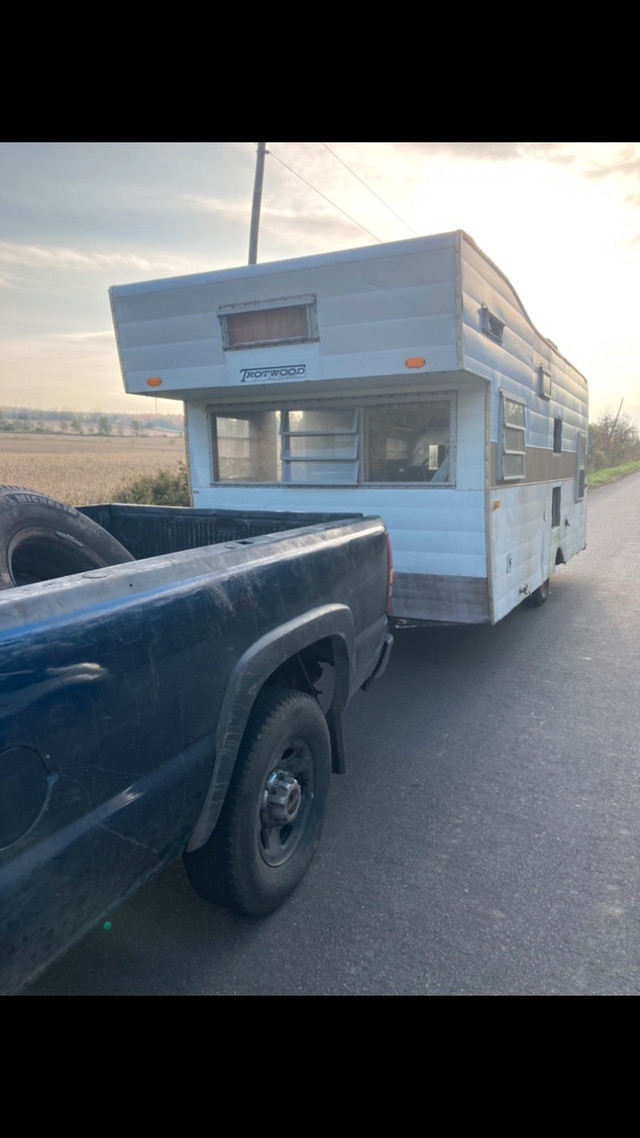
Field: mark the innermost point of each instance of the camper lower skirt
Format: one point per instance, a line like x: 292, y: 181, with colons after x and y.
x: 451, y: 600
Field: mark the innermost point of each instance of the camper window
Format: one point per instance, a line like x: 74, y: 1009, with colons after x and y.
x: 491, y: 325
x: 513, y: 438
x: 336, y: 445
x: 409, y: 442
x: 544, y: 384
x: 288, y: 321
x: 320, y: 446
x: 246, y: 447
x: 556, y: 499
x: 581, y: 472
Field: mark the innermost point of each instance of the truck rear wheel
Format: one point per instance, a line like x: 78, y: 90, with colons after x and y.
x: 41, y: 538
x: 272, y: 818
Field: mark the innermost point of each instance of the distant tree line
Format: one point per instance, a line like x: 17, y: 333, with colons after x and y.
x: 38, y: 421
x: 613, y: 441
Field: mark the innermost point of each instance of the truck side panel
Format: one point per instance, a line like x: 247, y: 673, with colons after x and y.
x: 111, y: 690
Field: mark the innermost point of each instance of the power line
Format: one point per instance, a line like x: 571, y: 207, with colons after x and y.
x: 384, y: 203
x: 317, y: 191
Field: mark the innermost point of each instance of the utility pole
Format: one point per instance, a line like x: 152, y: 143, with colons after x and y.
x: 255, y: 208
x: 615, y: 421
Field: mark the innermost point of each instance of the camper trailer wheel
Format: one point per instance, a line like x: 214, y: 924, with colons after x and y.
x: 538, y: 596
x: 41, y: 538
x: 273, y: 813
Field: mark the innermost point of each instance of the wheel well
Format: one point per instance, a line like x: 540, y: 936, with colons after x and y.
x: 321, y: 670
x: 303, y: 670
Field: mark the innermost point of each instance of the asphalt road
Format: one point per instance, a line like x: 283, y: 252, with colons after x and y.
x: 484, y: 839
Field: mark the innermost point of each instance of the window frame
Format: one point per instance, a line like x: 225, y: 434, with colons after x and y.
x: 491, y: 325
x: 556, y: 507
x: 544, y: 382
x: 449, y: 397
x: 308, y: 302
x: 244, y: 415
x: 509, y: 452
x: 290, y: 461
x: 286, y: 462
x: 581, y: 466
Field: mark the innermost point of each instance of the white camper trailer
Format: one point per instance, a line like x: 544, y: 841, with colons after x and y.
x: 405, y: 380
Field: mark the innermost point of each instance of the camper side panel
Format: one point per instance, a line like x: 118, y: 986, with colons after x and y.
x: 538, y: 430
x: 437, y: 529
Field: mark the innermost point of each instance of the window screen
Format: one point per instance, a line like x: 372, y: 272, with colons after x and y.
x: 270, y: 323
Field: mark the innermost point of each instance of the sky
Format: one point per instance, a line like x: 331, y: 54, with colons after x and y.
x: 560, y: 219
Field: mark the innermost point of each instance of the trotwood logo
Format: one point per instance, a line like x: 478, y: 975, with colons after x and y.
x: 257, y: 374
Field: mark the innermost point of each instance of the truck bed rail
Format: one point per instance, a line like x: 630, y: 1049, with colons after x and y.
x: 153, y: 530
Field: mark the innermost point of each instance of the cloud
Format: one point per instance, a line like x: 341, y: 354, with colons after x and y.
x: 223, y: 207
x: 626, y: 162
x: 79, y: 337
x: 497, y: 151
x: 463, y: 151
x: 282, y: 220
x: 30, y: 256
x: 310, y: 192
x: 60, y: 344
x: 77, y: 370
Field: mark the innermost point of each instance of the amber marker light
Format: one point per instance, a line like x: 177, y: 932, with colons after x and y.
x: 496, y: 503
x: 415, y: 361
x: 154, y: 381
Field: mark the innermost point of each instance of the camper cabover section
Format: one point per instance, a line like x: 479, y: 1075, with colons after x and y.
x: 404, y: 380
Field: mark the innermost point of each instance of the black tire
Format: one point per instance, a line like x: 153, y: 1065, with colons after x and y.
x: 41, y: 538
x: 538, y: 596
x: 272, y: 817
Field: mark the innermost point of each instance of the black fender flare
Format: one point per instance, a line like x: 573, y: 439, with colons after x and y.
x: 253, y: 669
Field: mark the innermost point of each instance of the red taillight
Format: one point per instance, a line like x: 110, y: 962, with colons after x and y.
x: 389, y: 575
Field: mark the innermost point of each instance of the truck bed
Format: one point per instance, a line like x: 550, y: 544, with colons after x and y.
x: 147, y: 531
x: 126, y: 693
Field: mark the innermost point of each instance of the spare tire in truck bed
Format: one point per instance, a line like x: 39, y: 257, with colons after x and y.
x: 41, y: 538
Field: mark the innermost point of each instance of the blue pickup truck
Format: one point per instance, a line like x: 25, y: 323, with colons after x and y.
x: 184, y: 702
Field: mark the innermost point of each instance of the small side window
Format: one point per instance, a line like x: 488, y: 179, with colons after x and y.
x: 581, y: 471
x: 557, y: 436
x: 490, y: 324
x: 556, y: 501
x: 513, y: 438
x: 544, y: 382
